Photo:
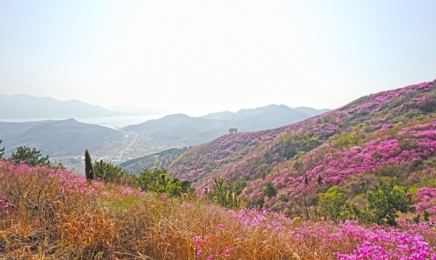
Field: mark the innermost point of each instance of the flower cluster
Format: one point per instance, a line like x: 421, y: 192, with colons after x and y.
x: 380, y: 243
x: 205, y: 247
x: 426, y: 201
x: 264, y: 219
x: 4, y: 206
x: 411, y: 145
x: 374, y: 242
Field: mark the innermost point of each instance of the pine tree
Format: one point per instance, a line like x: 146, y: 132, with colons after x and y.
x: 269, y: 189
x: 2, y: 150
x: 319, y: 179
x: 89, y: 171
x: 29, y: 156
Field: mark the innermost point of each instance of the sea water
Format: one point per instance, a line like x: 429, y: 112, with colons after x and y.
x: 108, y: 121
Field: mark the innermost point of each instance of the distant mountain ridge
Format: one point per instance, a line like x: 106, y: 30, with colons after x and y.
x: 25, y: 106
x: 312, y: 111
x: 56, y: 138
x: 182, y: 130
x: 196, y: 130
x: 302, y: 112
x: 69, y: 137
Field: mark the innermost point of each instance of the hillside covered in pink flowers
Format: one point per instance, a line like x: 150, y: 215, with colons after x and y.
x: 48, y: 213
x: 355, y: 183
x: 385, y: 136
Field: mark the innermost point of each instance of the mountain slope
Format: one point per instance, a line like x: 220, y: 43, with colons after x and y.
x: 182, y: 130
x: 160, y: 160
x: 225, y: 115
x: 266, y: 117
x: 272, y: 116
x: 56, y: 138
x: 24, y: 106
x: 311, y: 111
x: 354, y: 139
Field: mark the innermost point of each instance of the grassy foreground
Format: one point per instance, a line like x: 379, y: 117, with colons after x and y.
x: 53, y: 214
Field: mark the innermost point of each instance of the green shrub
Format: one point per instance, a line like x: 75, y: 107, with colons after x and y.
x: 269, y: 189
x: 346, y: 140
x: 333, y: 204
x: 385, y: 202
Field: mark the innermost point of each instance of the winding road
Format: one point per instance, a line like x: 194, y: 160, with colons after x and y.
x: 125, y: 150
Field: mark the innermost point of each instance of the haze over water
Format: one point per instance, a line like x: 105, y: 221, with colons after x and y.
x: 109, y: 121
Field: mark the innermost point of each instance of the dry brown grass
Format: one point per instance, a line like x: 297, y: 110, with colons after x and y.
x: 56, y: 215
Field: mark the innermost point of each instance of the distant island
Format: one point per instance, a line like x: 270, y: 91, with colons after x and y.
x: 30, y: 107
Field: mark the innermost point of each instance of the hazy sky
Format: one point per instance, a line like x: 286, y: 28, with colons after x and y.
x: 204, y: 56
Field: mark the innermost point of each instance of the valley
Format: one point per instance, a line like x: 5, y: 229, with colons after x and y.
x: 65, y: 140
